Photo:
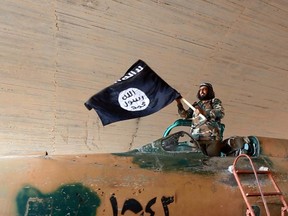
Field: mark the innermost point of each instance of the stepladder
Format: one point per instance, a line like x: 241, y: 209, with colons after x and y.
x: 258, y: 188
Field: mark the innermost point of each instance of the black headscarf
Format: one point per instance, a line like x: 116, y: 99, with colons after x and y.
x: 210, y: 95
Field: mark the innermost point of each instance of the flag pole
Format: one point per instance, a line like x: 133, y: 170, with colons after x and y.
x: 193, y: 108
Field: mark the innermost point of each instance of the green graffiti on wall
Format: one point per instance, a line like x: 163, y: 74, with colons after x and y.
x: 73, y: 199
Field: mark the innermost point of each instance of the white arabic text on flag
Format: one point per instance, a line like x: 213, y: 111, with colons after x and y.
x: 140, y: 92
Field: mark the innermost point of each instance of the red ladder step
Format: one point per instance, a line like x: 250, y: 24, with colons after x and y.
x: 262, y: 194
x: 251, y: 194
x: 252, y: 172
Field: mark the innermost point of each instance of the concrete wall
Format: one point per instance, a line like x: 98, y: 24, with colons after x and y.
x: 56, y: 54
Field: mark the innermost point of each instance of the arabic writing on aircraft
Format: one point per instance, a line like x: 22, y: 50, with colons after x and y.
x: 76, y: 199
x: 135, y: 206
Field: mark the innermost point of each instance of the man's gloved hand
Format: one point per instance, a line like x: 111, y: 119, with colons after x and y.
x: 198, y: 111
x: 181, y: 110
x: 180, y: 106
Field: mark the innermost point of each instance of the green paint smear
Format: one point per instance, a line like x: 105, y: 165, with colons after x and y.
x: 193, y: 162
x: 175, y: 153
x: 73, y: 199
x: 180, y: 162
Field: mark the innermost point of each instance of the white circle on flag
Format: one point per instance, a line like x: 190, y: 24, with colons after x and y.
x: 133, y: 99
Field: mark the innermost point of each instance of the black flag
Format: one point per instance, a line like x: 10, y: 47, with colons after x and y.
x: 140, y: 92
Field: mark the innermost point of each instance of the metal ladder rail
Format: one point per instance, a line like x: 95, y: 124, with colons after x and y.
x: 277, y: 192
x: 249, y: 211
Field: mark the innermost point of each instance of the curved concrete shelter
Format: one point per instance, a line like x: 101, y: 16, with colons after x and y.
x: 56, y: 54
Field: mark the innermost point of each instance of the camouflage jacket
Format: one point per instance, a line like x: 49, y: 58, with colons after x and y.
x: 213, y: 111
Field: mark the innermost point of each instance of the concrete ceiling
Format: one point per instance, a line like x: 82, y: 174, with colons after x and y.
x: 56, y: 54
